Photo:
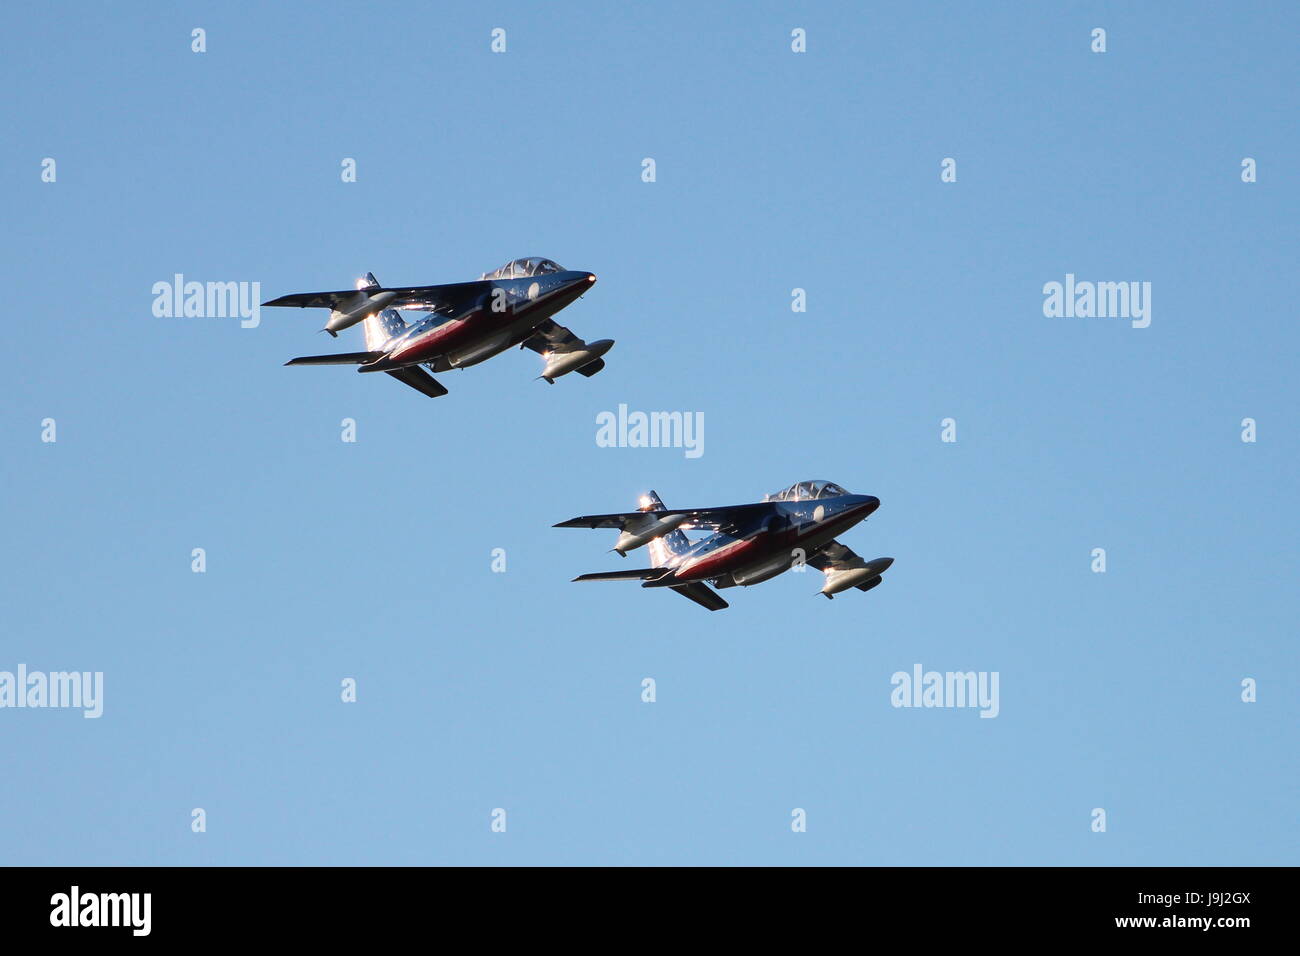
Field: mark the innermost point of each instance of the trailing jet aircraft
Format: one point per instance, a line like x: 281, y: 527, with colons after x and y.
x: 749, y: 543
x: 469, y: 323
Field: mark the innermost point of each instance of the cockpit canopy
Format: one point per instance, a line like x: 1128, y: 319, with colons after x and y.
x: 523, y: 268
x: 807, y: 490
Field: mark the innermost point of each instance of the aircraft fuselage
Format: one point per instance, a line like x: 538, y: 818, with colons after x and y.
x: 502, y: 317
x: 769, y: 543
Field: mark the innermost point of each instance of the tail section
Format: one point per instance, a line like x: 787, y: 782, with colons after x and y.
x: 664, y: 549
x: 379, y: 330
x: 382, y: 326
x: 673, y: 543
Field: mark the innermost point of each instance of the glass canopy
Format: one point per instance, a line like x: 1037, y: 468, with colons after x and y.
x: 523, y: 268
x: 807, y: 490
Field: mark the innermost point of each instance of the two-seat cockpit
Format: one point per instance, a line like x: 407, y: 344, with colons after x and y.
x: 808, y: 490
x: 524, y: 268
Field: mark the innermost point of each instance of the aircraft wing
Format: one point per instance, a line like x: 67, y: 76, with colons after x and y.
x: 836, y: 557
x: 637, y: 574
x: 697, y: 519
x: 447, y: 298
x: 338, y: 358
x: 550, y: 336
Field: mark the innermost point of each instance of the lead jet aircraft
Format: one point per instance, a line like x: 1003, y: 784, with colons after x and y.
x: 749, y: 543
x: 469, y: 323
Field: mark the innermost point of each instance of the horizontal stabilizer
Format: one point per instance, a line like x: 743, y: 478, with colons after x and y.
x: 640, y: 574
x: 592, y: 368
x: 703, y: 595
x: 339, y: 358
x: 419, y: 380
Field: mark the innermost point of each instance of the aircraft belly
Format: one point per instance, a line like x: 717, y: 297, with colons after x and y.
x: 495, y: 340
x: 757, y: 572
x: 479, y: 351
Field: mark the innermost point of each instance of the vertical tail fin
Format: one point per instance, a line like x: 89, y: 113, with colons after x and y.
x: 674, y: 542
x: 383, y: 326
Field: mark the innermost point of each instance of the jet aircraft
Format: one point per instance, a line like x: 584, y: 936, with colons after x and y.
x: 469, y: 322
x: 749, y: 544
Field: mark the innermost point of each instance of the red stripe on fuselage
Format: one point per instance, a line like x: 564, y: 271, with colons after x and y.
x: 452, y: 334
x: 722, y: 559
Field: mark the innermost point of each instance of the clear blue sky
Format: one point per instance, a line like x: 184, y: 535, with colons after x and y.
x: 519, y: 690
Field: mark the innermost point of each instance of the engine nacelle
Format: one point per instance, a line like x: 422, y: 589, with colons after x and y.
x: 646, y: 531
x: 357, y: 308
x: 562, y: 363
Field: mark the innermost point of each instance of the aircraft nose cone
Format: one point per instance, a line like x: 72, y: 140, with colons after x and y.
x: 866, y: 504
x: 574, y: 284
